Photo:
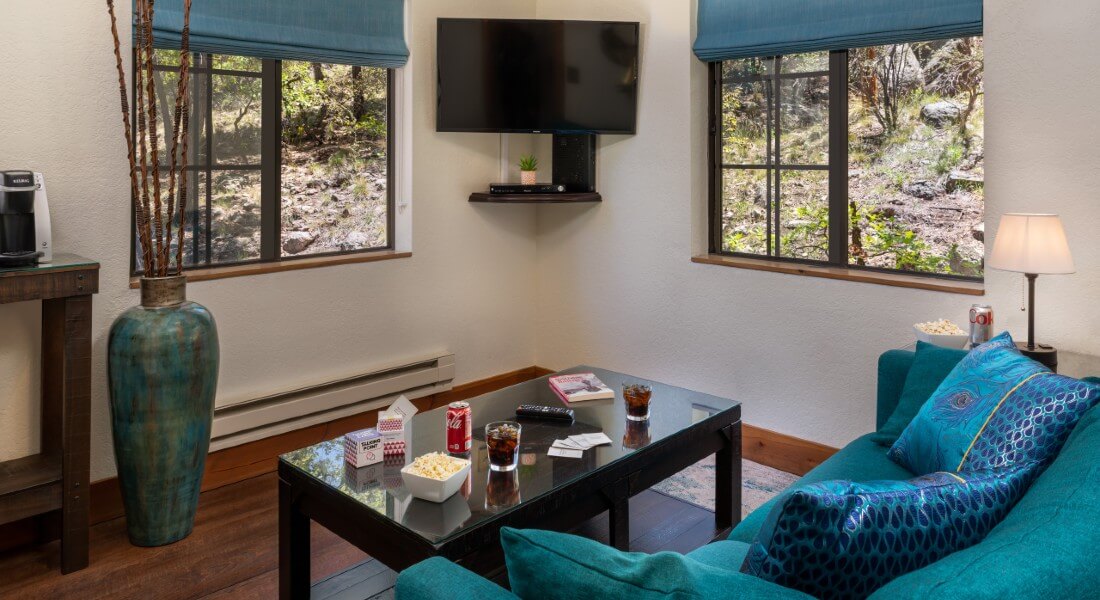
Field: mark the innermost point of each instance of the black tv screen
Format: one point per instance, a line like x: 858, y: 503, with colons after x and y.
x: 534, y: 76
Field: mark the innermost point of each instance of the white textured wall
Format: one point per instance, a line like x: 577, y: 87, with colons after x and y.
x: 617, y: 287
x: 610, y: 284
x: 469, y: 287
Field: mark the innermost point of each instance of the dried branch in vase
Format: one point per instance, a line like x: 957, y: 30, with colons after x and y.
x: 156, y: 210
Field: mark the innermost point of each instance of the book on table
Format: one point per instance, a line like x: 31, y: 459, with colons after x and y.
x: 579, y: 387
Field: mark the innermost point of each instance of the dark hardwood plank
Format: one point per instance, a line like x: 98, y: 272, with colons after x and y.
x: 33, y: 471
x: 69, y: 360
x: 535, y: 198
x: 672, y: 519
x: 52, y: 489
x: 233, y: 552
x: 235, y: 539
x: 692, y: 537
x: 369, y: 579
x: 338, y: 582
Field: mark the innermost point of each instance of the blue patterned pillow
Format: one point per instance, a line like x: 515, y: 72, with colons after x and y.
x: 839, y: 539
x: 996, y: 407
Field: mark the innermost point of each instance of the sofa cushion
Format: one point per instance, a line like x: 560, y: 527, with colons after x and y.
x: 725, y: 554
x: 839, y: 539
x: 946, y: 426
x: 439, y: 579
x: 861, y: 460
x: 996, y: 408
x: 931, y: 365
x: 545, y: 564
x: 1044, y: 548
x: 1032, y: 424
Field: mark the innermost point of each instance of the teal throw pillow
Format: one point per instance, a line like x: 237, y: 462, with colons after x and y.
x: 545, y: 565
x: 839, y: 539
x: 996, y: 408
x: 931, y: 365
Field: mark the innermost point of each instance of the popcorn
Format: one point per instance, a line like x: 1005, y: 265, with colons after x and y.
x: 436, y: 465
x: 941, y: 327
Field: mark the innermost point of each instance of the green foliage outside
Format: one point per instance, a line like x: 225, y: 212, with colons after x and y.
x: 334, y: 125
x: 915, y: 183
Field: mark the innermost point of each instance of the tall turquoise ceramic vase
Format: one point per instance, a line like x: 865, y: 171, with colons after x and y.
x: 162, y: 367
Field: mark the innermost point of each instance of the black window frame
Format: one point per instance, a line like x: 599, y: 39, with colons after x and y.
x: 838, y: 250
x: 270, y: 167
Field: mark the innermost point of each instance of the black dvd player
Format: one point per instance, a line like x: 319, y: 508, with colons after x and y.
x: 517, y: 188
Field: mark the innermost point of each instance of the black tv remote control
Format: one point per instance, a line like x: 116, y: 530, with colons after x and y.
x: 549, y: 413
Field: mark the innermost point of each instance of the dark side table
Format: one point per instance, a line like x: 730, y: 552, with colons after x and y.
x: 54, y: 482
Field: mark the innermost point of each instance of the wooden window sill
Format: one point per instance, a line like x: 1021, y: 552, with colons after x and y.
x: 892, y: 279
x: 262, y: 268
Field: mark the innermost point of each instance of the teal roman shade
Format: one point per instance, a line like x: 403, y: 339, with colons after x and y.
x: 731, y: 29
x: 355, y: 32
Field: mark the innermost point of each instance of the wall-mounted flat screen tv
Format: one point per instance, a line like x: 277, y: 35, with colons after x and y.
x: 537, y: 76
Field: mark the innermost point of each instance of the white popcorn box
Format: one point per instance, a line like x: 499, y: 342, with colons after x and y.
x: 391, y: 425
x: 362, y: 448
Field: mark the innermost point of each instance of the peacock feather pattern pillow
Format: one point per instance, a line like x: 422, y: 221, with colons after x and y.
x: 1033, y: 423
x: 839, y: 539
x: 995, y: 408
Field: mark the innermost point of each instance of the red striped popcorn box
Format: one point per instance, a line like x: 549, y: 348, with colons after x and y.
x: 362, y: 448
x: 392, y: 447
x: 391, y: 425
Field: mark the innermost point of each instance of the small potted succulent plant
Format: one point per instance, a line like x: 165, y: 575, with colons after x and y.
x: 528, y: 169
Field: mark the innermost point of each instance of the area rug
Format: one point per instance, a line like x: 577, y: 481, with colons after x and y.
x: 696, y: 484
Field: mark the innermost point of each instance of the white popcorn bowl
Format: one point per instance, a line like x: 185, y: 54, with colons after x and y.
x: 434, y: 490
x: 945, y: 340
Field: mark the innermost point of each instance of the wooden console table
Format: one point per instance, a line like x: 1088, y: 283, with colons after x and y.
x: 55, y: 481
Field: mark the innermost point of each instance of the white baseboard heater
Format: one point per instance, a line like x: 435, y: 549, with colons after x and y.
x: 252, y: 420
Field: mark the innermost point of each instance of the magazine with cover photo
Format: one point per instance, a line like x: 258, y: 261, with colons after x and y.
x: 579, y: 387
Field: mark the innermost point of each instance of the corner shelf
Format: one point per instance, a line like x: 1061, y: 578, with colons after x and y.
x: 535, y: 198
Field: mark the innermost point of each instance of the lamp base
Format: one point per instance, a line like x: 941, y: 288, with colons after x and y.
x: 1041, y: 353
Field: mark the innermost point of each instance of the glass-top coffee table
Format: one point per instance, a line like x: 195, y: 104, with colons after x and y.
x: 370, y: 507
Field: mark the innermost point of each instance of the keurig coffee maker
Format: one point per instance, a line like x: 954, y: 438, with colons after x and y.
x: 24, y: 220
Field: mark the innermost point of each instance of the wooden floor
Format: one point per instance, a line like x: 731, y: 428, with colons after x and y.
x: 233, y: 552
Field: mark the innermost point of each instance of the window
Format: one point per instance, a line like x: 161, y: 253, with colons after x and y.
x: 869, y: 158
x: 286, y: 159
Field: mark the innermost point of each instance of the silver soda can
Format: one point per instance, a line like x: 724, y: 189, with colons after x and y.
x: 981, y: 324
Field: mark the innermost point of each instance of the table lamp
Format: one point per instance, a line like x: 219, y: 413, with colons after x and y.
x: 1032, y: 244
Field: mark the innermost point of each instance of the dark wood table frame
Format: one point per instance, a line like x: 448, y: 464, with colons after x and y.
x: 303, y: 498
x: 54, y: 482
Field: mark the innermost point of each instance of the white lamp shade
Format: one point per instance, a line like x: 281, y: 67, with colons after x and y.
x: 1029, y: 243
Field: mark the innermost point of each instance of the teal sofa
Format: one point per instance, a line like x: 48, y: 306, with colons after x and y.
x: 1045, y: 547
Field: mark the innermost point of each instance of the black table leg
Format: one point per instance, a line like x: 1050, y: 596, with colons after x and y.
x: 618, y: 513
x: 727, y: 495
x: 618, y: 519
x: 293, y: 547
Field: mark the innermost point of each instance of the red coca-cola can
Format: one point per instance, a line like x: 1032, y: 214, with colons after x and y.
x: 460, y: 428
